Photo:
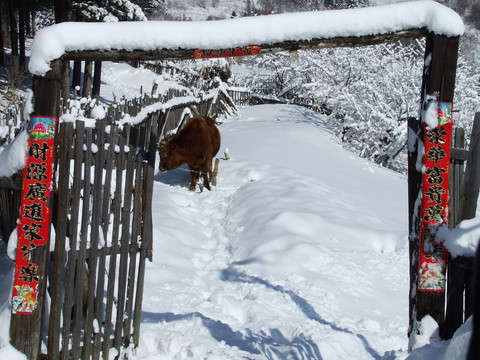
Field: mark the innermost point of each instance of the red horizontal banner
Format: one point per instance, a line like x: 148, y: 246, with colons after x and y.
x: 230, y: 52
x: 34, y: 226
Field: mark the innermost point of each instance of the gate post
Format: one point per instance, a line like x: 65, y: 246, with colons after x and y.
x: 25, y: 327
x: 438, y: 84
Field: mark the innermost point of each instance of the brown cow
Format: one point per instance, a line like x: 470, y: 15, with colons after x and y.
x: 195, y: 145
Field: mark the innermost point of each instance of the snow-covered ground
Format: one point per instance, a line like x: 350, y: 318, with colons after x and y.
x: 300, y: 252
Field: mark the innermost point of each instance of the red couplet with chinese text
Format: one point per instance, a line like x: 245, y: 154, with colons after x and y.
x: 230, y: 52
x: 34, y: 225
x: 434, y: 209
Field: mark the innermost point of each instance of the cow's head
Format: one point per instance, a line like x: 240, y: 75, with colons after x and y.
x: 167, y: 155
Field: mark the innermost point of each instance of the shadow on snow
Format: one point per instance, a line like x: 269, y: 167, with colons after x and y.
x: 233, y: 275
x: 273, y: 345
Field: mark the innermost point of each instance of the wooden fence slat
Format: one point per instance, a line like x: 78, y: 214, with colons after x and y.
x: 135, y: 232
x: 469, y: 299
x: 57, y: 291
x: 147, y: 237
x: 116, y: 209
x: 81, y: 272
x: 125, y: 237
x: 73, y: 235
x: 92, y: 316
x: 456, y: 279
x: 104, y: 225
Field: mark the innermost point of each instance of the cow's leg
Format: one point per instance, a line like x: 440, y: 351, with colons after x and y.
x: 206, y: 181
x: 210, y: 172
x: 207, y: 174
x: 194, y: 176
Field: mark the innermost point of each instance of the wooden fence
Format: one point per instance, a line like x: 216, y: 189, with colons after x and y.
x: 175, y: 106
x: 96, y: 286
x: 464, y: 190
x: 240, y: 96
x: 106, y: 226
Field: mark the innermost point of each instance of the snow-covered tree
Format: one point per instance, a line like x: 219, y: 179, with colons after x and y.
x: 368, y: 93
x: 109, y: 10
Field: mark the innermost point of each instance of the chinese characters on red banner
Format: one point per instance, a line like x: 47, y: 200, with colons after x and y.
x: 34, y: 225
x: 434, y: 209
x: 230, y: 52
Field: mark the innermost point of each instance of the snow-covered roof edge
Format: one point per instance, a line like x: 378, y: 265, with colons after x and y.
x: 53, y: 42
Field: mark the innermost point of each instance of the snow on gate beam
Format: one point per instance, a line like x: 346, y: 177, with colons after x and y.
x: 151, y: 40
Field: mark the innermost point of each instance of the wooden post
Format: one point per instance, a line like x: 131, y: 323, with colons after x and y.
x: 25, y: 329
x: 65, y: 83
x: 438, y: 84
x: 87, y: 78
x: 97, y: 78
x: 215, y: 172
x: 77, y: 74
x: 457, y: 165
x: 471, y: 185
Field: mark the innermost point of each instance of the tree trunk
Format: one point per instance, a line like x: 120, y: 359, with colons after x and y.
x: 97, y: 78
x: 21, y: 33
x: 13, y: 15
x: 62, y: 7
x: 2, y: 52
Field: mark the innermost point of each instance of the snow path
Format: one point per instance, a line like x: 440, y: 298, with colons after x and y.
x: 264, y: 268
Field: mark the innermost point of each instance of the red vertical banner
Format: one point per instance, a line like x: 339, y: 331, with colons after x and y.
x: 34, y: 224
x: 434, y: 209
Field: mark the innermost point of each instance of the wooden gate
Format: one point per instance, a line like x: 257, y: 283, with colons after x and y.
x: 110, y: 247
x: 103, y: 219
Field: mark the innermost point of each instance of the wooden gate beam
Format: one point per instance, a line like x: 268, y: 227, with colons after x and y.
x: 288, y: 45
x: 25, y: 329
x: 438, y: 84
